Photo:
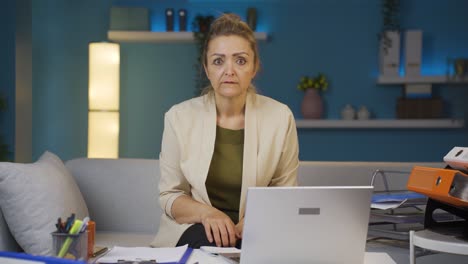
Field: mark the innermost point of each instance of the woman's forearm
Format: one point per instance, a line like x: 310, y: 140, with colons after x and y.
x: 186, y: 210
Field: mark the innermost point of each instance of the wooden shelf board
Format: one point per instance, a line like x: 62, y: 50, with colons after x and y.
x: 422, y: 80
x: 381, y: 123
x: 160, y: 37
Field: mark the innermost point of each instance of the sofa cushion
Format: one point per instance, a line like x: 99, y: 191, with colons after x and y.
x: 33, y: 196
x: 7, y: 242
x: 123, y: 239
x: 122, y: 194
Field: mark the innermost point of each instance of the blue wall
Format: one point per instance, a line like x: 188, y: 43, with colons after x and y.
x: 61, y: 33
x: 336, y: 37
x: 7, y: 71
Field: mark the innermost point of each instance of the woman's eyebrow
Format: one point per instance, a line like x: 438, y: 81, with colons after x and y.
x: 234, y: 54
x: 217, y: 54
x: 240, y: 53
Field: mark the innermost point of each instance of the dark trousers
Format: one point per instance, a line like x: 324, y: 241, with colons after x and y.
x: 195, y: 237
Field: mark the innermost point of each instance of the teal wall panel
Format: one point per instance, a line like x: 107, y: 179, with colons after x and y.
x: 62, y: 31
x: 152, y: 82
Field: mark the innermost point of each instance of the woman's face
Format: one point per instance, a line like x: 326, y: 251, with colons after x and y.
x: 230, y: 65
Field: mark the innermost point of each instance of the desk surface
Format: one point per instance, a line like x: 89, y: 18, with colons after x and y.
x: 370, y: 258
x: 379, y: 251
x: 398, y: 251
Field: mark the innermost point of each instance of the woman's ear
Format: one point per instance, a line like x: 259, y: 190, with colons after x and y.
x: 206, y: 70
x: 254, y: 73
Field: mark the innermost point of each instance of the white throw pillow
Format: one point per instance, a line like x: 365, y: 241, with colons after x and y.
x: 33, y: 196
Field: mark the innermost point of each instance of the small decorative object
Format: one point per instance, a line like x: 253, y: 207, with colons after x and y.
x: 182, y: 20
x: 201, y: 24
x: 312, y: 104
x: 413, y: 51
x: 419, y: 108
x: 363, y: 113
x: 348, y: 112
x: 252, y: 18
x: 418, y: 90
x: 129, y: 18
x: 461, y: 67
x: 169, y: 19
x: 457, y: 68
x: 390, y: 38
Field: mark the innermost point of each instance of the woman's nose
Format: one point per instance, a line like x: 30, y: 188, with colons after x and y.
x: 229, y: 70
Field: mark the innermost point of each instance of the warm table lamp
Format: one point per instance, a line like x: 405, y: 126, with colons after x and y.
x: 103, y: 115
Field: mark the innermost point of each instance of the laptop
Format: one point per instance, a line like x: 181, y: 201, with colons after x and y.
x: 326, y: 224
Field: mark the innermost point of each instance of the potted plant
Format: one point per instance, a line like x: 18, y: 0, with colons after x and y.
x: 312, y: 105
x: 390, y: 21
x: 200, y: 27
x: 319, y: 82
x: 389, y: 38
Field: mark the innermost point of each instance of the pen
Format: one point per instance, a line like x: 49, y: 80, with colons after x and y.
x: 73, y: 231
x: 99, y: 252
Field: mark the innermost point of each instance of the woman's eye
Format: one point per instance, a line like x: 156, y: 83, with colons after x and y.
x: 217, y: 61
x: 241, y: 61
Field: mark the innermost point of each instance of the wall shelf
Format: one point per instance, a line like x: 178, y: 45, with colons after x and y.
x: 381, y: 123
x: 160, y: 37
x: 422, y: 80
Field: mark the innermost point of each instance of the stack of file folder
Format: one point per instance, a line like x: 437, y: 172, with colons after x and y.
x: 447, y: 190
x: 445, y: 185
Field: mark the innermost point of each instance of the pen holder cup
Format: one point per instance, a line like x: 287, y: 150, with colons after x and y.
x: 70, y: 246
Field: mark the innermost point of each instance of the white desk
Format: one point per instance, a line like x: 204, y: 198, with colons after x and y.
x: 436, y: 242
x: 370, y: 258
x: 400, y: 253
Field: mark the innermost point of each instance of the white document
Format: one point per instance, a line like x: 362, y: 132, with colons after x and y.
x: 457, y: 158
x: 220, y: 250
x: 161, y: 255
x: 387, y: 205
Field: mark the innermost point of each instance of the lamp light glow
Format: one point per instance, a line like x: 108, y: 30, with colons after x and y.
x: 104, y: 94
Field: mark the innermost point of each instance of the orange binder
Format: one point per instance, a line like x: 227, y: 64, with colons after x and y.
x: 445, y: 185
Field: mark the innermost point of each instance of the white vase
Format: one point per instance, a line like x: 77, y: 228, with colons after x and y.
x: 413, y: 52
x: 363, y: 113
x: 348, y: 112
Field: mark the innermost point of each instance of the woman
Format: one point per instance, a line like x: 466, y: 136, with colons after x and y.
x: 216, y: 146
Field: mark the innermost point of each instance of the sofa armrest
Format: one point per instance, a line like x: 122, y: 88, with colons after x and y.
x: 121, y: 194
x: 7, y: 242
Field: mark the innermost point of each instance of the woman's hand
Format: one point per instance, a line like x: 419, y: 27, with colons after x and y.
x: 219, y: 227
x: 239, y: 229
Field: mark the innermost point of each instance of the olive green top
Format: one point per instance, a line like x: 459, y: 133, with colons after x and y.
x: 224, y: 180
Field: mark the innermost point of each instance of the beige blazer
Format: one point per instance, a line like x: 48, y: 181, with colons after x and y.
x: 270, y: 154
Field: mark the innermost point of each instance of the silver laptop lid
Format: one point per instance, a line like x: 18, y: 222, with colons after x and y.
x: 306, y: 224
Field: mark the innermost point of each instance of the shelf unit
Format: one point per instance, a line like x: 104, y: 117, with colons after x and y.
x: 380, y: 123
x: 422, y: 80
x: 160, y: 37
x: 421, y: 87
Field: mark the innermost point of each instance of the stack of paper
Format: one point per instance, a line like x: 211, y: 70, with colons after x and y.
x: 394, y: 200
x: 161, y: 255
